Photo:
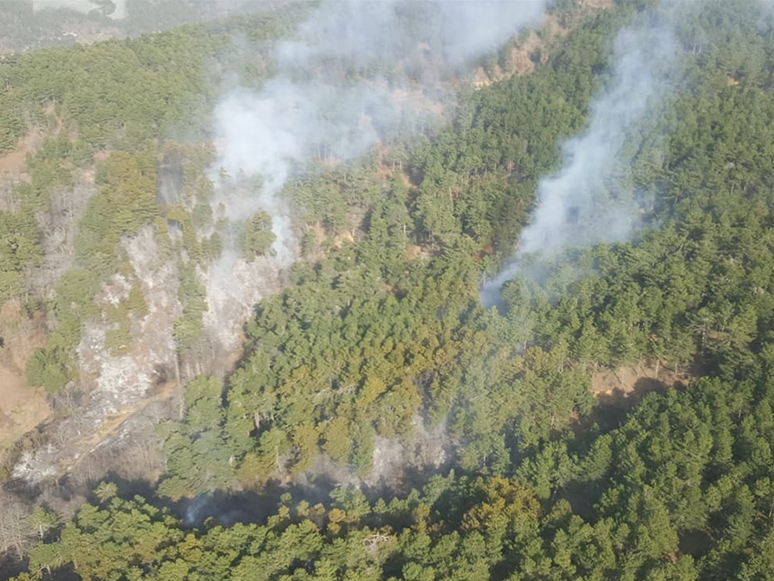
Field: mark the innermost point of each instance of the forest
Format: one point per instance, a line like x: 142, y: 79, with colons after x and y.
x: 378, y: 422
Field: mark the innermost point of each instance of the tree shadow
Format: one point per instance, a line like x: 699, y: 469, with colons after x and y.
x: 10, y: 566
x: 247, y: 507
x: 255, y: 507
x: 225, y: 507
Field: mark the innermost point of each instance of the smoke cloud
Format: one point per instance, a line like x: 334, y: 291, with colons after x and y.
x: 586, y: 202
x: 334, y: 94
x: 355, y: 73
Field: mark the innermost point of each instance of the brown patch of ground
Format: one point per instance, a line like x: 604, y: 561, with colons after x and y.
x: 617, y: 391
x: 386, y: 170
x: 382, y: 169
x: 21, y: 335
x: 555, y: 25
x: 319, y: 233
x: 102, y: 155
x: 344, y: 238
x: 21, y: 407
x: 522, y: 61
x: 414, y: 252
x: 627, y: 380
x: 598, y: 4
x: 539, y: 43
x: 321, y: 236
x: 14, y: 164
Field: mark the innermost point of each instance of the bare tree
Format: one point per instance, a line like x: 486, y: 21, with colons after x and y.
x: 14, y: 528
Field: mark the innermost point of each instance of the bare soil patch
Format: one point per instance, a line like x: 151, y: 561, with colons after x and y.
x: 629, y: 380
x: 535, y: 47
x: 21, y: 335
x: 617, y: 391
x: 522, y: 61
x: 21, y: 407
x: 598, y: 4
x: 14, y: 164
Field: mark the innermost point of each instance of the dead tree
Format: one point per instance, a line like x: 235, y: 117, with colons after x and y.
x: 14, y: 529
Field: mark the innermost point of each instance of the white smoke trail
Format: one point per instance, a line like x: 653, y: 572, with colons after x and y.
x: 583, y: 204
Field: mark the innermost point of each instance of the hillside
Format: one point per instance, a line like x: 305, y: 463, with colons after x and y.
x: 492, y: 301
x: 27, y: 25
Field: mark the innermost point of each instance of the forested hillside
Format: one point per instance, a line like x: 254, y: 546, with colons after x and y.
x: 681, y: 491
x: 104, y: 146
x: 407, y: 431
x: 27, y: 25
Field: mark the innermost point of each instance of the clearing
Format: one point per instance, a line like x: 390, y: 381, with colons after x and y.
x: 617, y: 391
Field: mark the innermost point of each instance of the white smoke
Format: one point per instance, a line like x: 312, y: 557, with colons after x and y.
x: 330, y: 93
x: 585, y: 202
x: 333, y: 97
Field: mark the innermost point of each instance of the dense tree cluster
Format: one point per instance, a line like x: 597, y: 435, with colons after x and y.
x: 681, y: 491
x: 368, y: 342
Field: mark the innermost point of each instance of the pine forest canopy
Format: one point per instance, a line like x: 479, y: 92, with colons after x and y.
x: 378, y: 340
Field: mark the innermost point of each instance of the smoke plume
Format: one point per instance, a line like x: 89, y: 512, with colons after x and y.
x: 355, y: 73
x: 333, y: 95
x: 586, y: 202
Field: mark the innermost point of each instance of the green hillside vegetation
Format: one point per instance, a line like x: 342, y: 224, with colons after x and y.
x: 379, y: 333
x: 23, y: 28
x: 681, y: 491
x: 110, y: 105
x: 350, y: 353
